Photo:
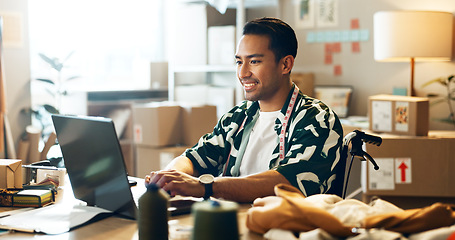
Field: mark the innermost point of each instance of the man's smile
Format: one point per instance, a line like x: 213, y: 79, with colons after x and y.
x: 249, y: 85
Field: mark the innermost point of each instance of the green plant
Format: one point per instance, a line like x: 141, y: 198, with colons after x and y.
x: 448, y: 96
x: 56, y: 88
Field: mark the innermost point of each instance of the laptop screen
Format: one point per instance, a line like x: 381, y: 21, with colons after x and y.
x: 94, y: 162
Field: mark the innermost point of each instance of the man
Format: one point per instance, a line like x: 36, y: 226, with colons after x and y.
x: 277, y: 136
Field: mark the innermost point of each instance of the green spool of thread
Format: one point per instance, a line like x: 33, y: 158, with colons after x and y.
x: 215, y: 220
x: 153, y: 214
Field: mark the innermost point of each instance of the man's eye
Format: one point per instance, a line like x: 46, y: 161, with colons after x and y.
x: 238, y: 62
x: 255, y: 61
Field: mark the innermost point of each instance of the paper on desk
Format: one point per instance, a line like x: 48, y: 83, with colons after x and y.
x: 12, y: 212
x: 53, y: 219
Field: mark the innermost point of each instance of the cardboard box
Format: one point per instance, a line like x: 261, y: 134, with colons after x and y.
x: 197, y: 121
x: 155, y: 158
x: 412, y: 166
x: 10, y: 173
x: 305, y: 82
x: 119, y: 113
x: 401, y: 115
x: 409, y: 202
x: 127, y: 147
x: 223, y: 97
x: 157, y: 124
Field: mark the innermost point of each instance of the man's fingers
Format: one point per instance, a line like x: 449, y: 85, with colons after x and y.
x: 155, y: 177
x: 175, y: 182
x: 147, y: 178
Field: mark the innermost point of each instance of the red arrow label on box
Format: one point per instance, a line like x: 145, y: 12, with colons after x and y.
x: 403, y: 168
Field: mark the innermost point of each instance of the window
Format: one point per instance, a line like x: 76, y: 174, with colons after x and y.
x: 112, y: 42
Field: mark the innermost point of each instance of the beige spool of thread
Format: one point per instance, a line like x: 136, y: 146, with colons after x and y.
x: 215, y: 220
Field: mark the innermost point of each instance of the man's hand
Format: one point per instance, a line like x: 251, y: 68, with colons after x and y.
x: 176, y: 183
x: 239, y: 189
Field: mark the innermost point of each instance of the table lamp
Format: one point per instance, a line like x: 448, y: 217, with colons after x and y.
x: 401, y: 36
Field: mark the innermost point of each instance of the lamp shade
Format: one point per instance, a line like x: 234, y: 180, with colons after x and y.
x: 420, y: 35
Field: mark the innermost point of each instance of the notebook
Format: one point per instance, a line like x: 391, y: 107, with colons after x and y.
x: 96, y: 168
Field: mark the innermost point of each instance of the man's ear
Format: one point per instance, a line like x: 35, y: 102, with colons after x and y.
x: 288, y: 64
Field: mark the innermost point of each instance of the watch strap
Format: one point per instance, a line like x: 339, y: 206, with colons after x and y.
x: 208, y: 190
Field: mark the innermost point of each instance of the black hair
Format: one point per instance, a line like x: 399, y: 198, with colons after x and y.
x: 283, y: 41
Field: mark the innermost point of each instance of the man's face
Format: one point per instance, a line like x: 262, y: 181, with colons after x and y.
x: 257, y: 69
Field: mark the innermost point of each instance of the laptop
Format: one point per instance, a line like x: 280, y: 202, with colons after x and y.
x: 94, y: 162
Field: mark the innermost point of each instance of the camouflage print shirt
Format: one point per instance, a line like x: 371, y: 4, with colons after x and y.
x: 312, y: 144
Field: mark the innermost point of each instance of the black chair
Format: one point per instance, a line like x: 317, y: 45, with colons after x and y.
x: 356, y: 138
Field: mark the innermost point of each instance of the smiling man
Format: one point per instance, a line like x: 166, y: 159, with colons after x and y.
x: 278, y: 135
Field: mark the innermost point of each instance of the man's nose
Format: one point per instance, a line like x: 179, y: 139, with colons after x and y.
x: 243, y: 71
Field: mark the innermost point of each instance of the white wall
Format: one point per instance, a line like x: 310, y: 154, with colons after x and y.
x: 17, y: 70
x: 360, y: 69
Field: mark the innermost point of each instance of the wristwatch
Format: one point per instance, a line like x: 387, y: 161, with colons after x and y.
x: 207, y: 180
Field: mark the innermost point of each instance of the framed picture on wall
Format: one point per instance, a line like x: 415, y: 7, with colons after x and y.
x: 336, y: 97
x: 305, y: 14
x: 327, y: 13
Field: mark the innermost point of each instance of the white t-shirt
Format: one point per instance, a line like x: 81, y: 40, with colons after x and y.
x: 262, y: 141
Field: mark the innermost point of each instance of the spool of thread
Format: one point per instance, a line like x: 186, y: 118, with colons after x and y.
x: 153, y: 214
x: 215, y: 220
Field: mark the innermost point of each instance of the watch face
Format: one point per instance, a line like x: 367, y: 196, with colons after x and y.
x: 206, y: 178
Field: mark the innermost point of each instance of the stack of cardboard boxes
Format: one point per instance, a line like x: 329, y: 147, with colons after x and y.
x: 163, y: 131
x: 415, y: 165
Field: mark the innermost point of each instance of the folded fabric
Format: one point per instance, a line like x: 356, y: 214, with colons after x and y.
x: 290, y: 211
x: 351, y: 212
x: 378, y: 234
x: 447, y: 233
x: 316, y: 234
x: 414, y: 220
x: 279, y: 234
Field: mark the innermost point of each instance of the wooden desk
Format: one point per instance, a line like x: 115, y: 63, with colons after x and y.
x: 116, y: 227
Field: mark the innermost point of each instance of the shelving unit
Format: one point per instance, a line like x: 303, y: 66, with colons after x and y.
x: 208, y: 71
x: 205, y: 68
